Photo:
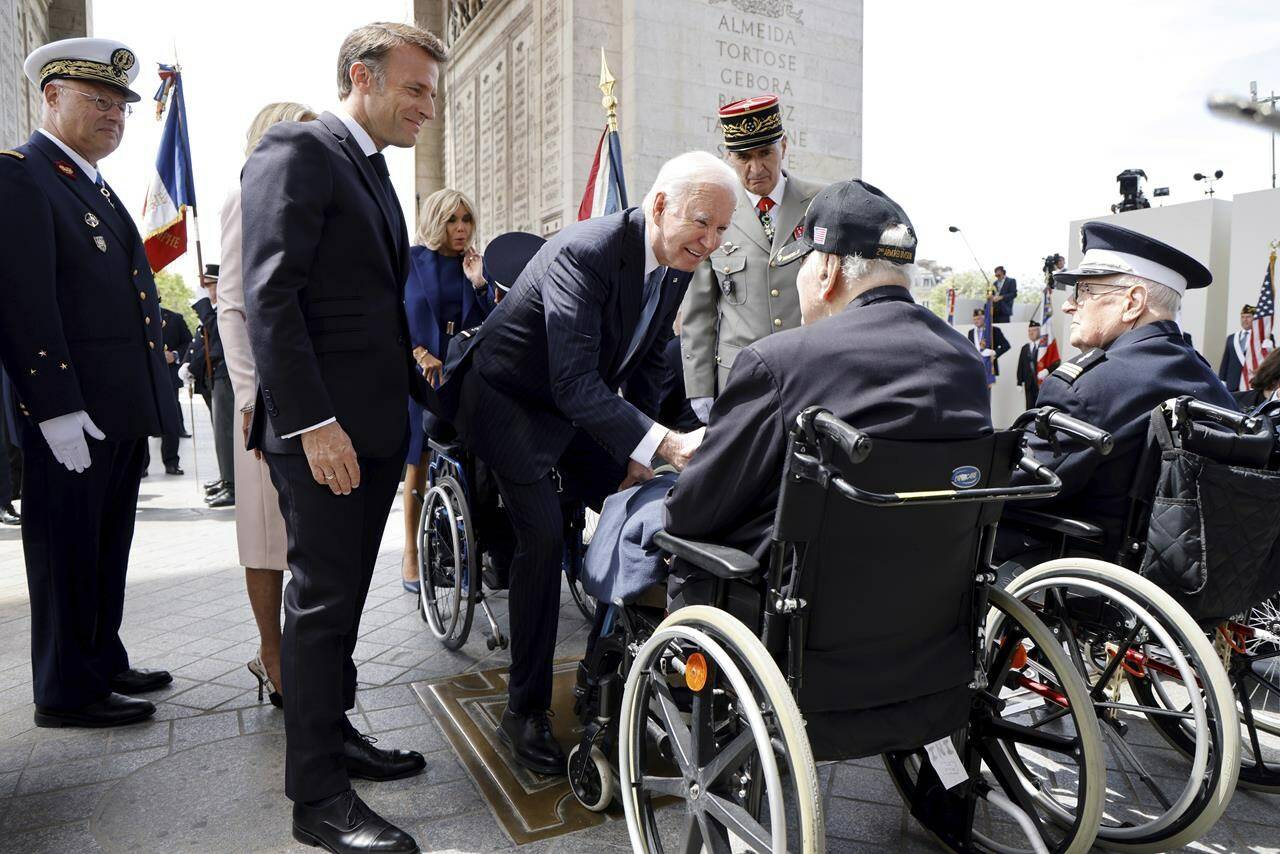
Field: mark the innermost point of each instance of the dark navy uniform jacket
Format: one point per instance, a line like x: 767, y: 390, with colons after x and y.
x: 80, y: 323
x: 1116, y: 388
x: 177, y: 338
x: 884, y: 364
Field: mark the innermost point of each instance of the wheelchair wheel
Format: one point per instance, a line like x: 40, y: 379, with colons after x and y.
x: 1150, y: 671
x: 578, y: 533
x: 734, y: 750
x: 1031, y: 749
x: 447, y: 568
x: 1252, y: 652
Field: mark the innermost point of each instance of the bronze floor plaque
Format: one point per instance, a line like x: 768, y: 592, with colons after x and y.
x: 528, y: 805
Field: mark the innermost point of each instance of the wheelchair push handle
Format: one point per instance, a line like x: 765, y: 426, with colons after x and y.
x: 1048, y: 421
x: 1188, y: 408
x: 855, y: 444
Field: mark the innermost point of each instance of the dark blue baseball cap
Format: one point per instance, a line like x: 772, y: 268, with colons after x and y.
x: 853, y: 218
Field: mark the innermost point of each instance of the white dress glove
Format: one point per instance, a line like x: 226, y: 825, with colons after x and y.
x: 184, y: 373
x: 989, y: 353
x: 701, y: 407
x: 1042, y: 375
x: 65, y: 435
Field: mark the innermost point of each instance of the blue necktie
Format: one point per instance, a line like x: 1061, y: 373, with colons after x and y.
x: 652, y: 293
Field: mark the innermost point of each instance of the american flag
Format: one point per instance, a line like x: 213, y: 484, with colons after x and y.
x: 1261, y: 341
x: 1047, y: 347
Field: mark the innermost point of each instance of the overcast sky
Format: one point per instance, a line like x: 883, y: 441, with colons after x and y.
x: 1006, y: 119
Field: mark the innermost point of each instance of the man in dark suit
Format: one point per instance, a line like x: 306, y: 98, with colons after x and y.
x: 992, y: 350
x: 536, y: 396
x: 1028, y: 361
x: 80, y: 338
x: 1123, y: 299
x: 865, y: 351
x: 1231, y: 367
x: 1005, y: 296
x: 210, y: 363
x: 326, y: 255
x: 177, y: 338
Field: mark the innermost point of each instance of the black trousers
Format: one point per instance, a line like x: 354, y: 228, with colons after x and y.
x: 223, y: 409
x: 333, y: 542
x: 76, y: 534
x: 585, y: 474
x: 169, y: 441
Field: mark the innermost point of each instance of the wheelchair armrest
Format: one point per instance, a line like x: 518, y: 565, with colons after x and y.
x: 1074, y: 528
x: 722, y: 561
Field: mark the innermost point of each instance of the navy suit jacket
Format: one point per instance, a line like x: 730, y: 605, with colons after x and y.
x: 326, y: 255
x: 884, y: 364
x: 1003, y: 310
x: 79, y: 318
x: 551, y: 357
x: 1229, y: 369
x: 422, y: 293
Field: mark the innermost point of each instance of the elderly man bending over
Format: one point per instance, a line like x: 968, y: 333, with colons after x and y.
x: 865, y: 351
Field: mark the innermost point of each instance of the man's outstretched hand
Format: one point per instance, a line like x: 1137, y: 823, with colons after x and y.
x: 678, y: 448
x: 636, y: 473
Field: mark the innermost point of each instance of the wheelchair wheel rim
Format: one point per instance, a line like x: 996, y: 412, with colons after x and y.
x: 1200, y: 760
x: 641, y: 820
x: 442, y: 525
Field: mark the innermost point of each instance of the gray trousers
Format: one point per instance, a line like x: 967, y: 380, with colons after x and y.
x: 223, y: 405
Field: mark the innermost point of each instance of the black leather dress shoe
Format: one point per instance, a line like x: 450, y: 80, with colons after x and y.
x: 366, y: 762
x: 112, y: 710
x: 172, y: 468
x: 9, y: 516
x: 530, y: 739
x: 212, y: 486
x: 223, y: 498
x: 136, y: 681
x: 345, y: 823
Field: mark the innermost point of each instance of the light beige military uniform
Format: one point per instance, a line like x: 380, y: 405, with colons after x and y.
x: 736, y: 298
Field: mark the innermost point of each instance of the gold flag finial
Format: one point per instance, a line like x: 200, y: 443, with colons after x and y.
x: 609, y: 102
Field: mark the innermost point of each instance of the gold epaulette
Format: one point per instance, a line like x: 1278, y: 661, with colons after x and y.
x: 17, y: 155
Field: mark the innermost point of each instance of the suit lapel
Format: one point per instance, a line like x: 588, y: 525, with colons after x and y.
x: 631, y: 298
x: 85, y: 190
x: 795, y: 201
x: 374, y: 184
x: 747, y: 221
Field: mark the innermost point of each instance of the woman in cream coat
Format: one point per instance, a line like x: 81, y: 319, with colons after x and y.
x: 260, y: 530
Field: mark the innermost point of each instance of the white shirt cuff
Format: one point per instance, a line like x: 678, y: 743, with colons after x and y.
x: 317, y: 426
x: 643, y: 454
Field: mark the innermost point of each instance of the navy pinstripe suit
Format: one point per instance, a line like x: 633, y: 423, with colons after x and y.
x: 538, y: 388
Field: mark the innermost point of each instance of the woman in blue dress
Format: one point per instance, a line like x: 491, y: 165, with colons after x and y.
x: 446, y: 293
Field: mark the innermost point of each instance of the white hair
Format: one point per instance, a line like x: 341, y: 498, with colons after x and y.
x: 682, y: 173
x: 1162, y: 300
x: 856, y: 269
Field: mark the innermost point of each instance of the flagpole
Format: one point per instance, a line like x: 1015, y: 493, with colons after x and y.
x: 610, y: 104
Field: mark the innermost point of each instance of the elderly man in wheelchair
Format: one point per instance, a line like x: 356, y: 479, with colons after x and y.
x: 844, y: 574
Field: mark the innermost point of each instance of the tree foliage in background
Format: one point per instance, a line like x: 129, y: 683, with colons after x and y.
x: 970, y: 283
x: 176, y: 296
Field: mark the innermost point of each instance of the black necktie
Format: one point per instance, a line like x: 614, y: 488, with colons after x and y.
x: 380, y: 166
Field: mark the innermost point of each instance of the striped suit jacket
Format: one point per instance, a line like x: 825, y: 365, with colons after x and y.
x: 550, y: 359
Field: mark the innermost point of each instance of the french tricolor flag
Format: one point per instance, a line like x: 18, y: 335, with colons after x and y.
x: 606, y: 191
x: 172, y: 189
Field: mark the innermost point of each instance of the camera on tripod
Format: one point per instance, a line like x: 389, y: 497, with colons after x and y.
x: 1131, y: 197
x: 1052, y: 264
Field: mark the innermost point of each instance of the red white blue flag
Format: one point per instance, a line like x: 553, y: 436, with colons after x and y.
x: 172, y: 189
x: 1261, y: 340
x: 606, y: 191
x: 1047, y: 347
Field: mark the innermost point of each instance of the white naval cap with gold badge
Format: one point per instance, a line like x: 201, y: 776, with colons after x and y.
x: 95, y: 60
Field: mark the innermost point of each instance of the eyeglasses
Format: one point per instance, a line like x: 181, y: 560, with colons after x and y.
x: 1079, y: 293
x: 104, y: 105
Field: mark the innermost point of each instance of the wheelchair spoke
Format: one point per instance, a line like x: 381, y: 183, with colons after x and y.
x: 1104, y: 679
x: 714, y: 837
x: 671, y: 786
x: 681, y: 742
x: 1119, y: 745
x: 692, y: 842
x: 1032, y: 737
x: 730, y: 757
x: 738, y: 822
x: 1009, y: 781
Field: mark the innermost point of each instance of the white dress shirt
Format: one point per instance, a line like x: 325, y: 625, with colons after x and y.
x: 775, y: 194
x: 362, y: 138
x: 89, y: 170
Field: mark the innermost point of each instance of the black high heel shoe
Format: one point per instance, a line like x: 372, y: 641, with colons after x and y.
x: 259, y: 670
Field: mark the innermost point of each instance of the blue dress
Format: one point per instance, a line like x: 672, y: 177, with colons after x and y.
x: 439, y: 302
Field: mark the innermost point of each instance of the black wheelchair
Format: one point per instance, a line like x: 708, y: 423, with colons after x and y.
x: 875, y: 628
x: 465, y: 544
x: 1190, y: 660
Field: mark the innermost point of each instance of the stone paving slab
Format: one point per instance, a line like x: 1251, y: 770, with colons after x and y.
x: 208, y: 770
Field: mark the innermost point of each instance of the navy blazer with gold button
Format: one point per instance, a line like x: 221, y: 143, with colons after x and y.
x: 80, y: 324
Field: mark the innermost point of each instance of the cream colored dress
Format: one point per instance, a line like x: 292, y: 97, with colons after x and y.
x: 260, y: 528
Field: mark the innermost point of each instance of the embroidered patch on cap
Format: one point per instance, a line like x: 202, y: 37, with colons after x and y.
x: 820, y: 235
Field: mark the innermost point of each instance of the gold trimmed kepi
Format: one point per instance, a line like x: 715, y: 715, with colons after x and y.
x: 751, y: 123
x: 94, y: 60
